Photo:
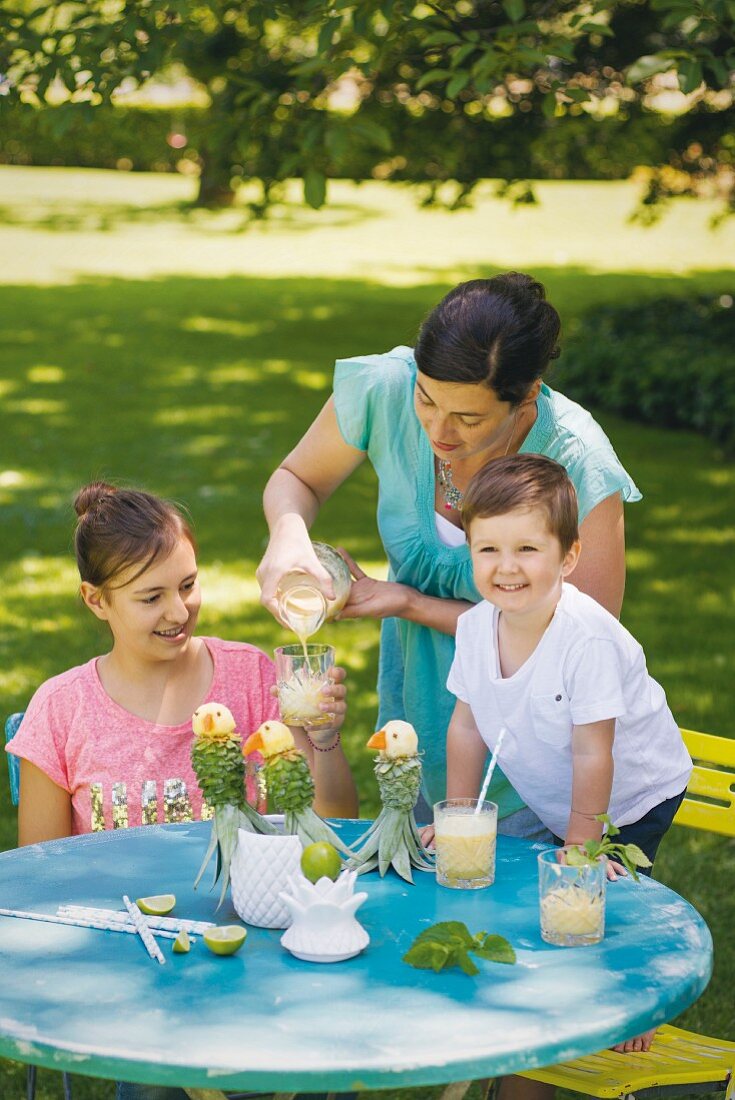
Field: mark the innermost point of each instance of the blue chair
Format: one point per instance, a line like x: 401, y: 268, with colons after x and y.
x: 12, y: 724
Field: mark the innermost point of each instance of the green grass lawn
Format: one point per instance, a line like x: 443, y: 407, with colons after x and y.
x: 187, y: 354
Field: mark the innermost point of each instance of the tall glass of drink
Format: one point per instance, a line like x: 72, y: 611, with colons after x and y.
x: 465, y: 834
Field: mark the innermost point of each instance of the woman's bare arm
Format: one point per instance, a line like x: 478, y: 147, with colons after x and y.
x: 306, y: 478
x: 374, y: 599
x: 600, y: 571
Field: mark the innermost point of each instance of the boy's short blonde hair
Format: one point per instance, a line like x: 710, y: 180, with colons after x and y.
x: 521, y: 482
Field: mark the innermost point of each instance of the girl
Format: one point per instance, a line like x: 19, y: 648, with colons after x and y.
x: 107, y: 744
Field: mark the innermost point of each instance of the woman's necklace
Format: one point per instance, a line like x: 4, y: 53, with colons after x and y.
x: 452, y: 495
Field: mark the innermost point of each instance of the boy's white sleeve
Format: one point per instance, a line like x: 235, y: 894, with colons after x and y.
x: 595, y: 677
x: 455, y: 680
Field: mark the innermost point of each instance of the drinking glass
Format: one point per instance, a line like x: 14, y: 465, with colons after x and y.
x: 301, y: 673
x: 571, y: 899
x: 465, y: 843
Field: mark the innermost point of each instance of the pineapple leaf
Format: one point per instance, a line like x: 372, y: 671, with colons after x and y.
x: 402, y: 862
x: 209, y: 853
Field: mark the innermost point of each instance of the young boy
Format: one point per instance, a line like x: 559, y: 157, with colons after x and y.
x: 588, y: 730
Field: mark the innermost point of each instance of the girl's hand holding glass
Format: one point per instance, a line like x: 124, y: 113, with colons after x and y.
x: 334, y: 704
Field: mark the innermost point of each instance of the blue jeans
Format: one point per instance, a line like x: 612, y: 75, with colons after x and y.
x: 127, y: 1090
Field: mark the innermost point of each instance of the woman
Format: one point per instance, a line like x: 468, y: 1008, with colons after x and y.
x: 428, y: 419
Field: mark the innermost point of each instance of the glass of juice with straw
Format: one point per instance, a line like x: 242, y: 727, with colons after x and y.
x: 465, y: 835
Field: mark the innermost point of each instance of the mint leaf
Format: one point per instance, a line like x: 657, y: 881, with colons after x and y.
x: 630, y: 855
x: 465, y: 962
x: 427, y: 956
x: 450, y: 932
x: 449, y: 943
x: 612, y: 830
x: 636, y: 855
x: 577, y: 857
x: 495, y: 949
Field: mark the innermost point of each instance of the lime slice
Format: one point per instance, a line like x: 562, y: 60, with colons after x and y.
x: 225, y: 939
x: 320, y: 860
x: 158, y: 905
x: 182, y: 943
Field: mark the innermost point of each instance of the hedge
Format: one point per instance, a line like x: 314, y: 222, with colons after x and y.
x: 667, y: 361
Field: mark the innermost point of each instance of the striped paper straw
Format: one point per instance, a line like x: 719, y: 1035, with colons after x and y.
x: 156, y: 924
x: 143, y: 930
x: 81, y: 922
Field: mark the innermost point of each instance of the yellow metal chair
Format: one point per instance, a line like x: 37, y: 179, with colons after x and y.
x: 679, y: 1062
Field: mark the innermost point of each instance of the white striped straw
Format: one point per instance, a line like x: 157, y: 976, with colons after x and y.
x: 81, y: 922
x: 143, y: 930
x: 490, y: 769
x: 156, y: 924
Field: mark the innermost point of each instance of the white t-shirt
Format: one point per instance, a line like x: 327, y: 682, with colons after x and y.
x: 586, y: 668
x: 447, y: 533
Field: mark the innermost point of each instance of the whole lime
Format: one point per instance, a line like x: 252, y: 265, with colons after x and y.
x: 320, y: 860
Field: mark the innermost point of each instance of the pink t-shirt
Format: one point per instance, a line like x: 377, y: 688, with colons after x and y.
x: 122, y: 770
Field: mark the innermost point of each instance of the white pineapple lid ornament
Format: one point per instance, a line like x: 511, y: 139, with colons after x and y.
x: 324, y: 928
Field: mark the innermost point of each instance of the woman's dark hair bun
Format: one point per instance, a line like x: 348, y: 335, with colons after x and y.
x: 516, y: 281
x: 500, y: 332
x: 91, y: 495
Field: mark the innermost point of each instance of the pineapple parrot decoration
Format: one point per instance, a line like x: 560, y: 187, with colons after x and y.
x: 289, y: 781
x: 393, y: 839
x: 216, y: 755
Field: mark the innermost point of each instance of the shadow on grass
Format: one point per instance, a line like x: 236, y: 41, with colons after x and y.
x: 90, y: 214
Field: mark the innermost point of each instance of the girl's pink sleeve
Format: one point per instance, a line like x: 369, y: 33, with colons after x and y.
x: 41, y: 738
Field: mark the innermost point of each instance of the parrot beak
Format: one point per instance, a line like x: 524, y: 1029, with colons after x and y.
x: 254, y: 743
x: 207, y: 723
x: 377, y: 741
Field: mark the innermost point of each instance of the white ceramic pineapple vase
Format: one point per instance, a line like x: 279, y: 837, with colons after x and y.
x: 324, y: 928
x: 260, y: 870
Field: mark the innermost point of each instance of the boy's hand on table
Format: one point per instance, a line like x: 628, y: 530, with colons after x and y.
x: 426, y: 832
x: 615, y: 870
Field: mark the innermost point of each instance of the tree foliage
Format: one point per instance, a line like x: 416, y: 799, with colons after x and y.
x: 298, y: 87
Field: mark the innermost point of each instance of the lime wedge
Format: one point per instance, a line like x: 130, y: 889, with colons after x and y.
x: 225, y: 939
x: 158, y: 905
x: 182, y: 943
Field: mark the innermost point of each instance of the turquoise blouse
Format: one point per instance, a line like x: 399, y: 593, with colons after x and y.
x: 374, y: 403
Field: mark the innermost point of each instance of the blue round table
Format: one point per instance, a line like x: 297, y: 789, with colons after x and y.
x: 93, y: 1002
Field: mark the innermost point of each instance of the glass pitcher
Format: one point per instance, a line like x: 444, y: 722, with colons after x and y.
x: 302, y: 605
